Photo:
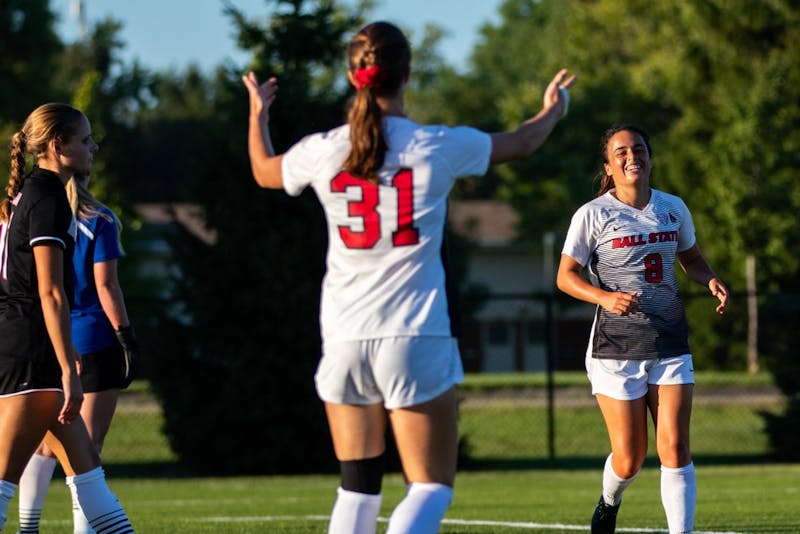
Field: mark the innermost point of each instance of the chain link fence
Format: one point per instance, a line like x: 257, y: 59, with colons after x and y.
x: 535, y: 404
x: 526, y: 400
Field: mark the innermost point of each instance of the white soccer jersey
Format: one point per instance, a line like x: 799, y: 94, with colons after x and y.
x: 385, y: 275
x: 631, y: 250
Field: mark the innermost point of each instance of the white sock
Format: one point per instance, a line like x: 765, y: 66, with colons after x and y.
x: 613, y: 484
x: 422, y: 510
x: 33, y: 486
x: 99, y: 505
x: 354, y: 512
x: 679, y: 497
x: 7, y: 490
x: 80, y: 525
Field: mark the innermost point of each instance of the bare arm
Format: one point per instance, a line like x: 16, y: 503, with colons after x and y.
x: 55, y: 308
x: 570, y: 281
x: 521, y: 143
x: 110, y: 293
x: 697, y: 268
x: 266, y: 166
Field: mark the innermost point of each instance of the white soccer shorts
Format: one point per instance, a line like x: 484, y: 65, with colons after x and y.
x: 629, y: 379
x: 397, y: 371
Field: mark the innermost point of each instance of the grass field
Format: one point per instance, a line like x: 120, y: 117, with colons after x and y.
x: 743, y: 498
x: 509, y: 485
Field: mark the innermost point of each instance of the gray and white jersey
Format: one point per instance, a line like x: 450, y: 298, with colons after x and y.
x: 634, y: 251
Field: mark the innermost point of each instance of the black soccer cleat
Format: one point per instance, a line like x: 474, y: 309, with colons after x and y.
x: 604, y: 519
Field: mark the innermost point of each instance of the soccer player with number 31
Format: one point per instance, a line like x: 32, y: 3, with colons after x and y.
x: 388, y: 348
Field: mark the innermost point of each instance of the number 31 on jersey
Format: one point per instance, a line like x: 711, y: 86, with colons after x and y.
x: 367, y: 210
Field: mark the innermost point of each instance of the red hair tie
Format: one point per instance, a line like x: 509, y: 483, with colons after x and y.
x: 370, y: 77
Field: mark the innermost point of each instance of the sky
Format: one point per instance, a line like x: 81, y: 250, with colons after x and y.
x: 171, y: 34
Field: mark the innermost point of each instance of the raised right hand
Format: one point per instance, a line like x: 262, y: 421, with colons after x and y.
x: 261, y: 95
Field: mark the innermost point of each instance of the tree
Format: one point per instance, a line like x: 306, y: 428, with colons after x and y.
x: 248, y: 340
x: 714, y: 83
x: 28, y: 49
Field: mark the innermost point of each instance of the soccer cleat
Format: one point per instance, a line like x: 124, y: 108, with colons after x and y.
x: 604, y: 519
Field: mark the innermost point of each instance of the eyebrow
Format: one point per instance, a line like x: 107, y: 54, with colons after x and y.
x: 637, y: 145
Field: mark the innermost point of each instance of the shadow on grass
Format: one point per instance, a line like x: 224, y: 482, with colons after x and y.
x: 142, y: 470
x: 133, y: 470
x: 590, y: 462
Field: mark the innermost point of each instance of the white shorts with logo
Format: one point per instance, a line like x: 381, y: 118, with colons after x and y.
x: 629, y: 379
x: 396, y: 371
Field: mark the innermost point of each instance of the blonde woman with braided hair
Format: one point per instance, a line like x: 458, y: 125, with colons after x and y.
x: 389, y: 354
x: 102, y: 335
x: 40, y: 390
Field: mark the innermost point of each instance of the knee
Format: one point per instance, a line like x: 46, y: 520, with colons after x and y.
x: 363, y: 475
x: 674, y: 452
x: 626, y: 466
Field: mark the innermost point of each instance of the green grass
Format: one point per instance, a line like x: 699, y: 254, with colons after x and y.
x: 510, y: 485
x: 507, y: 432
x: 744, y: 498
x: 137, y: 435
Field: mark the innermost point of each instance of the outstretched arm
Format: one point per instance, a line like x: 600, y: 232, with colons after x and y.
x: 520, y: 143
x: 266, y: 166
x: 698, y: 269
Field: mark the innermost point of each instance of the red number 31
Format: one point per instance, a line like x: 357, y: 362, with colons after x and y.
x: 367, y: 210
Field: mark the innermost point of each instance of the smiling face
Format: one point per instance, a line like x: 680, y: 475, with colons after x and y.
x: 627, y: 160
x: 76, y: 153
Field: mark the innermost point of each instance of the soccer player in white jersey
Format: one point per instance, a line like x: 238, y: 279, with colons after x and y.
x: 388, y: 356
x: 628, y: 240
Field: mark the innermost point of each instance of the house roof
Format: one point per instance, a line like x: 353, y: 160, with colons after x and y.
x: 487, y: 222
x: 190, y: 216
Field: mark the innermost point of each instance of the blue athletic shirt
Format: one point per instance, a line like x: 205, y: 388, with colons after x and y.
x: 96, y: 242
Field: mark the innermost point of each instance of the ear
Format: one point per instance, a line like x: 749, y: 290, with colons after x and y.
x: 54, y: 146
x: 607, y: 168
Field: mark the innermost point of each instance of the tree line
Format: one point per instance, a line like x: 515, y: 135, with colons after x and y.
x: 714, y: 82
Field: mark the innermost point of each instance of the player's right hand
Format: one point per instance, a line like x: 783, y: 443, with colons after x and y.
x: 261, y: 95
x: 620, y: 303
x: 73, y: 396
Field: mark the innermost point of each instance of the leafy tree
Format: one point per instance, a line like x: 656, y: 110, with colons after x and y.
x: 715, y: 83
x: 28, y: 49
x: 248, y: 338
x: 112, y: 94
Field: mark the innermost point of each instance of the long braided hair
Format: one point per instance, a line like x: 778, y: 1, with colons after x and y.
x: 379, y: 61
x: 44, y: 124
